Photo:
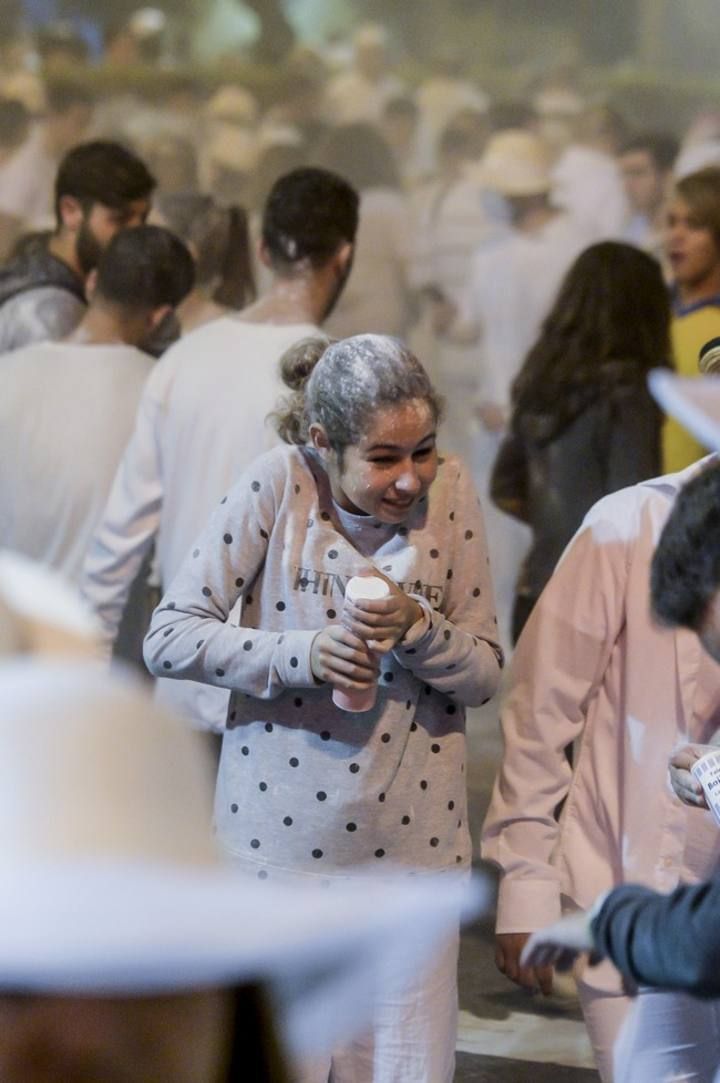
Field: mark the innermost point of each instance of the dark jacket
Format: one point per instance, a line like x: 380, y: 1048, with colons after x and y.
x: 35, y: 267
x: 42, y: 298
x: 670, y: 941
x: 552, y: 468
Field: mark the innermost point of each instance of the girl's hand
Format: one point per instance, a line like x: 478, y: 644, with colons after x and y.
x: 382, y: 622
x: 342, y: 659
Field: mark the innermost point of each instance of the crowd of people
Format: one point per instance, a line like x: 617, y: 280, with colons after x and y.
x: 252, y: 350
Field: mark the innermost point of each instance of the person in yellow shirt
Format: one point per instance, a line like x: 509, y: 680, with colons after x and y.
x: 693, y: 249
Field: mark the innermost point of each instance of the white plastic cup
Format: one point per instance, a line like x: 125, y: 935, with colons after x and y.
x: 707, y: 772
x: 360, y: 699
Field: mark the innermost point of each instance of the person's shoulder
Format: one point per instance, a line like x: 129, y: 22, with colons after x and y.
x: 277, y: 469
x: 624, y: 509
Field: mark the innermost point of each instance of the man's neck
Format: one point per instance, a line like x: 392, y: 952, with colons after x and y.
x: 103, y: 327
x: 696, y: 292
x: 62, y: 246
x: 302, y: 299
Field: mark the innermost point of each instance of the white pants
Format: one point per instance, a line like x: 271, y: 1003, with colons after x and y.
x: 413, y: 1036
x: 656, y: 1037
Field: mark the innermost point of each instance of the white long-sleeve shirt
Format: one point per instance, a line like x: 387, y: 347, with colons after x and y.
x: 302, y: 784
x: 201, y: 420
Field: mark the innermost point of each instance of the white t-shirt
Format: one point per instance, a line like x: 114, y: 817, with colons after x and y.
x: 588, y: 184
x: 201, y: 421
x: 66, y: 412
x: 513, y: 284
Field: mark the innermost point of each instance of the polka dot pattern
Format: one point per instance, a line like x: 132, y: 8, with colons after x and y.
x: 296, y: 769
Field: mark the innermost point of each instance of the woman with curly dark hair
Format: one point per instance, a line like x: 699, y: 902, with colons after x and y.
x: 583, y: 422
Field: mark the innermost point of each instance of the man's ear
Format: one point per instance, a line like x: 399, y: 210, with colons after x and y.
x: 264, y: 254
x: 343, y: 257
x: 91, y: 284
x: 71, y: 213
x: 157, y: 315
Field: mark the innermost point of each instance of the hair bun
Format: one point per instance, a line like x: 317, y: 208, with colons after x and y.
x: 299, y: 360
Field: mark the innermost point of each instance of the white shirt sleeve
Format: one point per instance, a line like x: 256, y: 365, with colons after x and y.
x: 131, y: 518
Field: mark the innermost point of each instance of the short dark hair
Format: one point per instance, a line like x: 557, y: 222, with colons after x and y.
x: 102, y: 172
x: 308, y: 215
x: 685, y: 572
x: 144, y: 268
x: 662, y: 148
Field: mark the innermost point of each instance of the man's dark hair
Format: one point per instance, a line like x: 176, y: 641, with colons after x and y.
x: 662, y: 148
x: 102, y: 172
x: 685, y: 573
x: 308, y: 215
x: 144, y: 268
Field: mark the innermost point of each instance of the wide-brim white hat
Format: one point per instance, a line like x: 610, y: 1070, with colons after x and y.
x: 40, y: 611
x: 112, y: 883
x: 694, y: 402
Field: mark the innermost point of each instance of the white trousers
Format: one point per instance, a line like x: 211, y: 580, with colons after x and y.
x: 413, y: 1036
x: 656, y: 1037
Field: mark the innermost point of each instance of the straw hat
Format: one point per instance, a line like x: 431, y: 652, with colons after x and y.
x: 515, y: 163
x: 112, y: 884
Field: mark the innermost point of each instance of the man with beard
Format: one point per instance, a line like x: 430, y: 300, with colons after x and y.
x: 202, y: 415
x: 100, y: 188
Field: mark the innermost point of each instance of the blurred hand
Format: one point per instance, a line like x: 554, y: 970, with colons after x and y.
x: 342, y: 659
x: 508, y: 949
x: 685, y: 786
x: 561, y: 944
x: 382, y: 622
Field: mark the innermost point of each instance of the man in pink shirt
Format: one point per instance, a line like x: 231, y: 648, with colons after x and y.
x: 596, y: 671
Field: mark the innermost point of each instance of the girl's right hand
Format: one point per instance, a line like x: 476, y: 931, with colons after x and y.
x: 342, y: 659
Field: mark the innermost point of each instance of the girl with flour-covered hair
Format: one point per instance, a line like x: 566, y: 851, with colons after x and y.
x: 306, y: 788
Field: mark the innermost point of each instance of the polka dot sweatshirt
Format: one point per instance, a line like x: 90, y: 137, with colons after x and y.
x: 303, y: 785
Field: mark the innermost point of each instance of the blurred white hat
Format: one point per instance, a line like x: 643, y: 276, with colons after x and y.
x: 515, y: 163
x: 234, y: 104
x: 112, y: 883
x: 40, y: 612
x: 147, y: 22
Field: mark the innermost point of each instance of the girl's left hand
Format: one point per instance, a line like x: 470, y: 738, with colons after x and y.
x: 382, y: 622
